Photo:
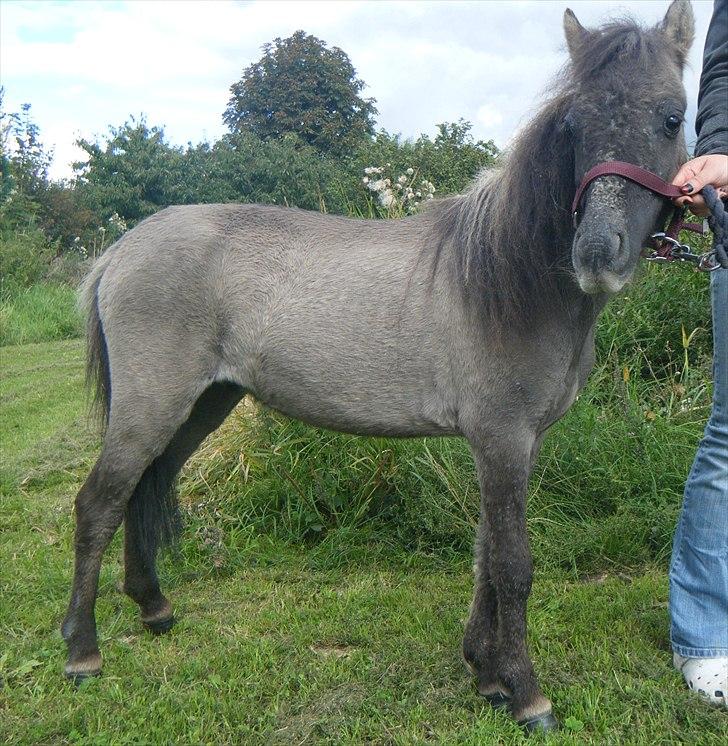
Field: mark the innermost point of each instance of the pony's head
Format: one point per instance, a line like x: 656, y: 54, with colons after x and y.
x: 627, y: 104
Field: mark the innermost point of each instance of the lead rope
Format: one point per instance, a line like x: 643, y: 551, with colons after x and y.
x: 718, y: 222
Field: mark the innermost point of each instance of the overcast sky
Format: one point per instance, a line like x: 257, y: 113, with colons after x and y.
x: 87, y: 65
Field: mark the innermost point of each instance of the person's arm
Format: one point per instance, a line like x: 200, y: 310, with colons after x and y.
x: 711, y: 124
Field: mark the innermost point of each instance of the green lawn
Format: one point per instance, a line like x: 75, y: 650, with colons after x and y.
x: 278, y: 642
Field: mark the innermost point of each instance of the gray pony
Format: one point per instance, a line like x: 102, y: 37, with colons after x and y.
x: 473, y: 318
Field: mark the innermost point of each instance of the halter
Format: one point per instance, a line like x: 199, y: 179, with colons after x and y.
x: 666, y: 246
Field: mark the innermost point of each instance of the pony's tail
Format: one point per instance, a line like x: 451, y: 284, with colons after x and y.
x: 98, y: 375
x: 152, y: 513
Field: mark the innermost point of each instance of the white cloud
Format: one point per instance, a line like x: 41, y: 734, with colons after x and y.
x: 489, y: 117
x: 86, y: 65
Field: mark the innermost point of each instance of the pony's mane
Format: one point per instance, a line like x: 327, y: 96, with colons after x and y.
x: 510, y: 233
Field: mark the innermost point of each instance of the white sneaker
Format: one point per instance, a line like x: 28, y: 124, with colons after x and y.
x: 706, y: 676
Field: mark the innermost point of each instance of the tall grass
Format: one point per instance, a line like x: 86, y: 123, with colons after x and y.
x: 40, y: 313
x: 37, y: 300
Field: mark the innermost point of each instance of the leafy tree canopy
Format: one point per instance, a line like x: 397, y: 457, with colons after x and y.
x: 135, y: 173
x: 24, y: 164
x: 301, y: 86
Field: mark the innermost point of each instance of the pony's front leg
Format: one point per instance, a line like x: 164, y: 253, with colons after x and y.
x: 480, y: 647
x: 496, y: 630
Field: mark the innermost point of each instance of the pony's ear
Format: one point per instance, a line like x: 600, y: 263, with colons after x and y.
x: 575, y: 33
x: 679, y: 27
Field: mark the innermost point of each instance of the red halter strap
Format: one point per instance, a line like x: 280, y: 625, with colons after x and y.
x: 667, y: 240
x: 627, y: 171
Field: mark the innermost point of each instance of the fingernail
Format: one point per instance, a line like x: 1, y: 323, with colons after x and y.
x: 688, y: 188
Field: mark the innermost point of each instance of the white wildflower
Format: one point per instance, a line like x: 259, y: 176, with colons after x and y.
x: 387, y: 199
x: 396, y: 193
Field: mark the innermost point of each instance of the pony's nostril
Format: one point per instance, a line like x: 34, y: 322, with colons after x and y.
x: 622, y: 244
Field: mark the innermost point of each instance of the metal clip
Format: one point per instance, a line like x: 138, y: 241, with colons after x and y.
x: 708, y: 262
x: 680, y: 252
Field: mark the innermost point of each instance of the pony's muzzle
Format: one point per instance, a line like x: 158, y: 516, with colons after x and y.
x: 601, y: 260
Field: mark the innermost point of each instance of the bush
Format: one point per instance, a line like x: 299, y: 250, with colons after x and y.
x: 24, y: 259
x: 243, y: 168
x: 449, y: 161
x: 136, y: 172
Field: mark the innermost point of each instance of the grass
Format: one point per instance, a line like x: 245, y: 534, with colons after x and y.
x: 305, y: 620
x: 39, y: 313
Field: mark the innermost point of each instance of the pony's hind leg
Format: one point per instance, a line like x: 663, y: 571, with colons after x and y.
x: 140, y: 543
x: 142, y: 421
x: 99, y: 510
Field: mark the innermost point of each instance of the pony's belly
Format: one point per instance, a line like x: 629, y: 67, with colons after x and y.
x: 349, y: 392
x: 350, y: 410
x: 327, y: 417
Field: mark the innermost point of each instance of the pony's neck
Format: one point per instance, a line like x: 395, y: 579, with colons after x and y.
x: 539, y: 189
x: 512, y: 231
x: 508, y: 238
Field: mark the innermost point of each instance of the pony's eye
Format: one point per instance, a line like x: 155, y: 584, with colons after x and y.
x: 672, y: 124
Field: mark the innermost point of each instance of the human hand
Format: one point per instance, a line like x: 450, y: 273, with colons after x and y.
x: 709, y: 169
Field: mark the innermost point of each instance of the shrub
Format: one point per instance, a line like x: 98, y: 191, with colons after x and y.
x: 24, y: 259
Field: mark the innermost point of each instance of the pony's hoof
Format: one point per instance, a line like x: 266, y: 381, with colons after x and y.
x: 78, y: 677
x: 497, y: 700
x: 540, y: 724
x: 160, y: 626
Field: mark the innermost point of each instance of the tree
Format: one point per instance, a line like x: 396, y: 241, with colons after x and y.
x: 135, y: 173
x: 24, y: 164
x: 301, y: 86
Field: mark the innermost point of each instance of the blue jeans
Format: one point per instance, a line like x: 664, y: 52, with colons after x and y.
x: 699, y: 567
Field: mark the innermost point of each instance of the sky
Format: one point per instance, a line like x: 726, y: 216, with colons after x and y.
x: 85, y: 66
